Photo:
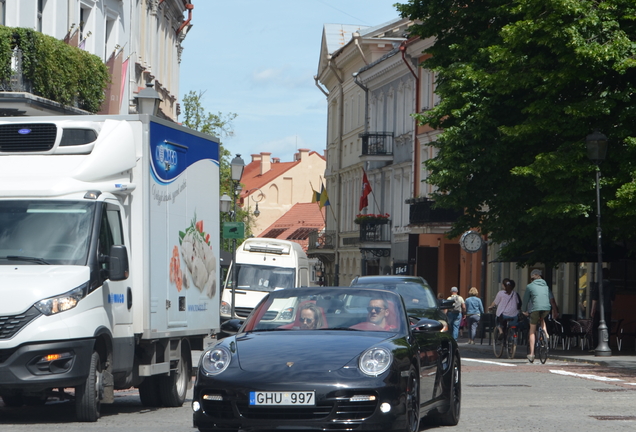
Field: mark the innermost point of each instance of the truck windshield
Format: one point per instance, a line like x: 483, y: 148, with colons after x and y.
x: 264, y: 278
x: 45, y: 232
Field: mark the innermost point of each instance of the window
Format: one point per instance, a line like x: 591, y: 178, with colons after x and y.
x: 3, y: 15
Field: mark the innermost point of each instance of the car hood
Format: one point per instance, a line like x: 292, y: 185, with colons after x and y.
x: 23, y: 285
x: 309, y: 351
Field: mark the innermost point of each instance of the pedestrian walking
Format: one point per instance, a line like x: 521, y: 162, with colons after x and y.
x: 455, y: 315
x: 474, y: 310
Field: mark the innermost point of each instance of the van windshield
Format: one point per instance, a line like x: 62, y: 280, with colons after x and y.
x: 45, y: 232
x: 264, y: 278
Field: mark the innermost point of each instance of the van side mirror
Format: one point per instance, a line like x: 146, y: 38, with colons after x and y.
x: 118, y: 263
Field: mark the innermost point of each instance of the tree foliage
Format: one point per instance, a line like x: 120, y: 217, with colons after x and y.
x: 219, y: 125
x: 522, y: 83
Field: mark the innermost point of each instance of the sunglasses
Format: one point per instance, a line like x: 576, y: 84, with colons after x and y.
x: 375, y: 309
x: 307, y: 320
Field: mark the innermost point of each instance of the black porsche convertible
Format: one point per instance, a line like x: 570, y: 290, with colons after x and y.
x: 337, y: 359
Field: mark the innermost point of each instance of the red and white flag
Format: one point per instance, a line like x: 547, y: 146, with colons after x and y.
x: 366, y: 190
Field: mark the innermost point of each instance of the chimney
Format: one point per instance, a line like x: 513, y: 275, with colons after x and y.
x: 275, y: 160
x: 302, y: 154
x: 256, y: 157
x: 266, y: 163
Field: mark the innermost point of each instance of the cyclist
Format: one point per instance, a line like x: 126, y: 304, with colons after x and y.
x: 538, y: 293
x: 508, y: 304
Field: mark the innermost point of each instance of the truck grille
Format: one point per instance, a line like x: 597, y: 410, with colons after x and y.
x: 27, y: 137
x: 10, y: 325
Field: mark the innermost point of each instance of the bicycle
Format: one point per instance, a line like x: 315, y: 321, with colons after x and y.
x: 541, y: 345
x: 508, y: 340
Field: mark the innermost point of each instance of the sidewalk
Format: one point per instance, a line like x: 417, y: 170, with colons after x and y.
x: 619, y: 359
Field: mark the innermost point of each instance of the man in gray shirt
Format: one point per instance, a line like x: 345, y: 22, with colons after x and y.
x: 538, y: 292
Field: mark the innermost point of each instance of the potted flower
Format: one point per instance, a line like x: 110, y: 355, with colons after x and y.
x: 372, y: 219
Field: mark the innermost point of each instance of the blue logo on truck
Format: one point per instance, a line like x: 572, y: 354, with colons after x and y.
x: 167, y: 157
x: 115, y: 298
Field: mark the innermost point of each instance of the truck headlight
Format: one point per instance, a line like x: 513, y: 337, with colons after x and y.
x: 63, y: 302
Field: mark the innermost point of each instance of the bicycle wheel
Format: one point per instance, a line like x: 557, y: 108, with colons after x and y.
x: 511, y: 347
x: 543, y: 347
x: 498, y: 342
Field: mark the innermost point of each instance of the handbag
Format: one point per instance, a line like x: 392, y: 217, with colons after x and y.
x: 463, y: 321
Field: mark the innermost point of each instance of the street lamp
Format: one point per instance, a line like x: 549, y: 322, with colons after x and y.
x: 596, y: 151
x: 148, y: 100
x: 237, y: 165
x: 261, y: 197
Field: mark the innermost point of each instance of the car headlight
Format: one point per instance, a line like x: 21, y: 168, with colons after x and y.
x: 63, y: 302
x: 375, y: 361
x: 225, y: 308
x: 216, y: 360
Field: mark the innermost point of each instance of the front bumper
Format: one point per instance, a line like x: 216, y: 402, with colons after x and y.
x: 334, y: 409
x: 22, y: 370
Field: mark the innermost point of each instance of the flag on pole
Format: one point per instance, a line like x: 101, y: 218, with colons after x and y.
x: 315, y: 196
x: 366, y: 190
x: 324, y: 198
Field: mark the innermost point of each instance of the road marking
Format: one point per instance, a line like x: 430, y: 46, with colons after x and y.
x: 489, y: 362
x: 587, y: 376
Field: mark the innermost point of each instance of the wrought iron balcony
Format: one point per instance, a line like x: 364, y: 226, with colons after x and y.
x: 377, y: 145
x: 421, y: 211
x: 322, y: 240
x: 374, y: 232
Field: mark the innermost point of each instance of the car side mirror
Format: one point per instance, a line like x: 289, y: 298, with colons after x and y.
x: 426, y: 325
x: 231, y: 327
x: 447, y: 304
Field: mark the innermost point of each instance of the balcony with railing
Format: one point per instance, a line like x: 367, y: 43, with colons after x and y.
x: 321, y: 245
x: 377, y: 146
x: 421, y: 211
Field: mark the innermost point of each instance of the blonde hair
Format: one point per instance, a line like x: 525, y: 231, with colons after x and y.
x: 473, y: 291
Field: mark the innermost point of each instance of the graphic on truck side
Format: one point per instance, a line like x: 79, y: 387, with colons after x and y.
x: 199, y: 259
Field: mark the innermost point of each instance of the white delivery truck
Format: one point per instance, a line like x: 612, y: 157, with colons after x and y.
x: 109, y: 245
x: 263, y: 265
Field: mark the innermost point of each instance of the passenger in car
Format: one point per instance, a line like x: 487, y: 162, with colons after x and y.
x: 310, y: 317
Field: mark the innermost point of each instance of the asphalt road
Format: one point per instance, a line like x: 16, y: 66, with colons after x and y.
x: 498, y: 395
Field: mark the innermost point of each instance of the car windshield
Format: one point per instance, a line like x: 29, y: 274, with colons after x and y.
x: 349, y: 309
x: 416, y: 296
x: 45, y: 232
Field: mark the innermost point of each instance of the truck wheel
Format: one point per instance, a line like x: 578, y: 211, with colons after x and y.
x: 149, y: 392
x: 88, y: 396
x: 173, y: 388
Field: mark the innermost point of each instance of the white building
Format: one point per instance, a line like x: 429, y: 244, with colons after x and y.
x: 141, y: 38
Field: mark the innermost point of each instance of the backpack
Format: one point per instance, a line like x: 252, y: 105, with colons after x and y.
x: 457, y: 306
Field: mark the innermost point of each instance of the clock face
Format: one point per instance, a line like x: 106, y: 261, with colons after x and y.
x: 472, y: 241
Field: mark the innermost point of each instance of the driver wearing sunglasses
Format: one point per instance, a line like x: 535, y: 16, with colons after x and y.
x: 378, y: 311
x: 310, y: 317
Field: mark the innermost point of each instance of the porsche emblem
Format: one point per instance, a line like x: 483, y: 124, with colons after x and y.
x: 290, y: 364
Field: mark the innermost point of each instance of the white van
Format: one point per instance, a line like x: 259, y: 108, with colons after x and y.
x: 263, y: 265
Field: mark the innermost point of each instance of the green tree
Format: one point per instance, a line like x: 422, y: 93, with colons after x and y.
x: 219, y: 125
x: 522, y: 83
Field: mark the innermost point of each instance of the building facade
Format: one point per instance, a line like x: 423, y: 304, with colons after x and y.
x: 139, y: 40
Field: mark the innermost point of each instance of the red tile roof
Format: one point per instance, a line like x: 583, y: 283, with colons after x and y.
x: 296, y: 224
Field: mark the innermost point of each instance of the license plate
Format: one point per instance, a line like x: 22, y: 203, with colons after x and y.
x: 282, y: 398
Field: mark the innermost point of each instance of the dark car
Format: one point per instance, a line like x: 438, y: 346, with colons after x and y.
x: 346, y: 359
x: 418, y: 296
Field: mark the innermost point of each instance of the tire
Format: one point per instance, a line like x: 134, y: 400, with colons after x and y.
x: 13, y: 401
x: 88, y: 396
x: 173, y: 388
x: 511, y: 348
x: 149, y: 392
x: 497, y: 343
x: 412, y: 403
x: 543, y: 348
x: 451, y: 417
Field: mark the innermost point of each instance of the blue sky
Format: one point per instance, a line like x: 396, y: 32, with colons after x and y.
x: 257, y: 59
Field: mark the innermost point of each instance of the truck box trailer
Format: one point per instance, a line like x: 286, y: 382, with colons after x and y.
x: 109, y: 246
